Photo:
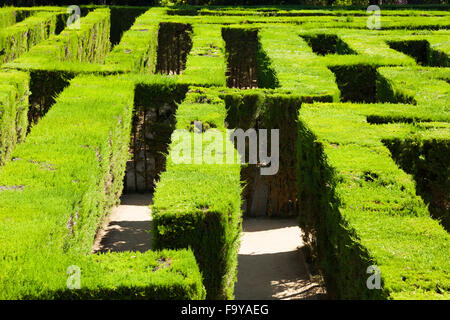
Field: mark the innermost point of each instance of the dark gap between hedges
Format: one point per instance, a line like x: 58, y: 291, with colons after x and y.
x: 22, y: 15
x: 174, y: 44
x: 324, y: 44
x: 183, y: 12
x: 153, y: 124
x: 269, y: 195
x: 422, y: 52
x: 357, y: 83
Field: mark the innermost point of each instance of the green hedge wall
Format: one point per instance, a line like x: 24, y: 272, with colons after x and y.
x: 357, y: 208
x: 55, y: 193
x: 153, y: 275
x: 137, y: 49
x: 206, y: 65
x: 7, y: 17
x: 75, y: 165
x: 422, y: 86
x: 7, y: 120
x: 269, y: 110
x: 295, y: 66
x: 54, y: 62
x: 427, y: 161
x: 90, y: 44
x: 205, y: 215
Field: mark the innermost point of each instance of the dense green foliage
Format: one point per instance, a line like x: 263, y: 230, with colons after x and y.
x: 205, y: 214
x: 363, y: 118
x: 56, y: 191
x: 20, y: 37
x: 13, y: 111
x: 136, y: 51
x: 358, y: 208
x: 7, y: 17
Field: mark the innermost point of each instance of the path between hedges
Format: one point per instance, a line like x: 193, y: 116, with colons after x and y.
x: 271, y: 263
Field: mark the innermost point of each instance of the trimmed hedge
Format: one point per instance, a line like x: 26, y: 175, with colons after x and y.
x: 137, y: 49
x: 427, y: 87
x: 356, y: 82
x: 296, y: 67
x: 421, y: 50
x: 90, y: 43
x: 268, y: 110
x: 358, y: 209
x: 7, y: 17
x: 427, y: 160
x: 51, y: 63
x: 153, y: 275
x: 19, y: 38
x: 14, y: 90
x: 205, y: 214
x: 60, y: 185
x: 205, y: 65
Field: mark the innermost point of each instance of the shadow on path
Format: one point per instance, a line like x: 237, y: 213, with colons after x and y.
x: 271, y: 264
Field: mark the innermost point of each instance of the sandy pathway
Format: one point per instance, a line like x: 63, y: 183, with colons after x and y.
x: 128, y: 226
x: 271, y: 266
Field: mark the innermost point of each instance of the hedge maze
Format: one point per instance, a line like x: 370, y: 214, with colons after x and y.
x: 89, y: 113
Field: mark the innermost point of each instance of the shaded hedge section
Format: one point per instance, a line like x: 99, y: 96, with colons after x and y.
x: 174, y: 44
x: 153, y: 123
x: 241, y: 45
x: 324, y: 44
x: 357, y: 83
x: 19, y: 38
x: 422, y: 52
x: 333, y: 246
